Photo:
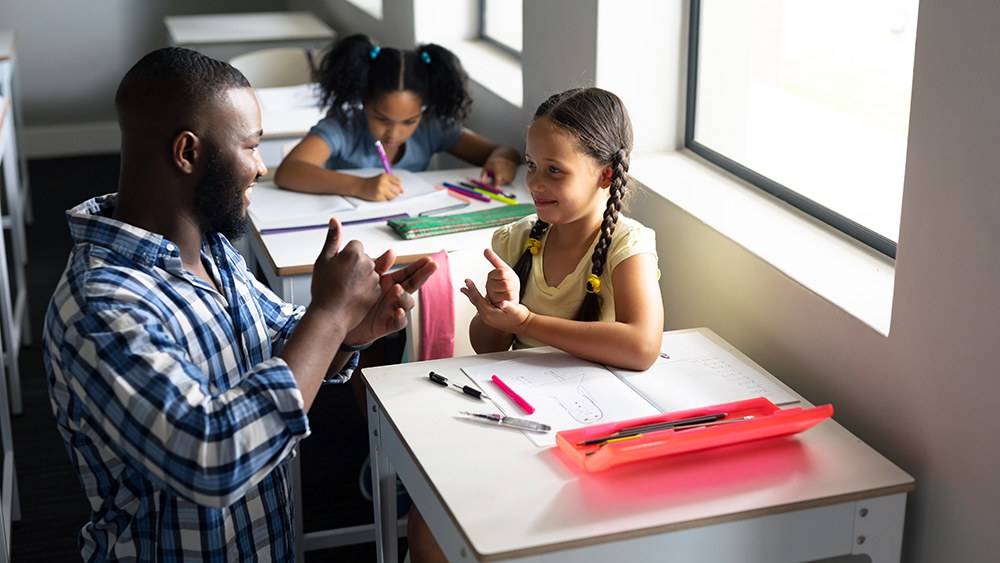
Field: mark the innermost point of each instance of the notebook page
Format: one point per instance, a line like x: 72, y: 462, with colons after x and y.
x: 567, y: 392
x: 273, y: 207
x: 695, y: 372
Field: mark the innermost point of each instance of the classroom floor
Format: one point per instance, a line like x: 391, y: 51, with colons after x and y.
x: 53, y: 506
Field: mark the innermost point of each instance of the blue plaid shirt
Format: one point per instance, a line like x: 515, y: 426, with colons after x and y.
x: 175, y: 412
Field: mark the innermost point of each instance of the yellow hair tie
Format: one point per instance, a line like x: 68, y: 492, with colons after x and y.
x: 534, y: 246
x: 593, y: 284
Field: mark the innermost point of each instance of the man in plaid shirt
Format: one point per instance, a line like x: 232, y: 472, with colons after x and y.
x: 179, y: 383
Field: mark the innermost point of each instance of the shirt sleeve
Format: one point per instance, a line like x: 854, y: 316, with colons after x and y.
x: 635, y: 239
x: 139, y: 389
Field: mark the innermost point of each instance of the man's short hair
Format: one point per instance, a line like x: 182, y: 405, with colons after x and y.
x: 172, y: 85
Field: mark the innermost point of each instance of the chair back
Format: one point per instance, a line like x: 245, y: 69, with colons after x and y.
x: 280, y: 66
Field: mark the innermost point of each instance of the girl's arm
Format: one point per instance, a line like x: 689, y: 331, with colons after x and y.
x: 486, y: 339
x: 632, y: 341
x: 302, y: 170
x: 498, y: 160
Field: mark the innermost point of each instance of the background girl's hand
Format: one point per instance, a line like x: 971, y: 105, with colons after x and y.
x: 505, y: 316
x: 502, y: 170
x: 380, y: 188
x: 502, y: 283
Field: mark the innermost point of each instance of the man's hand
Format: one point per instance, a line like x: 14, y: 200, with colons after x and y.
x: 388, y: 314
x: 345, y: 281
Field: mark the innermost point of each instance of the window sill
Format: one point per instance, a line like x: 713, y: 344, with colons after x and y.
x: 493, y: 69
x: 846, y: 273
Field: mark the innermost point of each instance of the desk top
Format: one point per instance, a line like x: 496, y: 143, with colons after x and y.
x: 245, y: 27
x: 294, y: 253
x: 511, y: 499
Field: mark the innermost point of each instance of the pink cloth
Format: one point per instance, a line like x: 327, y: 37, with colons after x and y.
x: 437, y: 313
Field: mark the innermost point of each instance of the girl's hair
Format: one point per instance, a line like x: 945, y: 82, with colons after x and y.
x: 599, y: 122
x: 356, y: 71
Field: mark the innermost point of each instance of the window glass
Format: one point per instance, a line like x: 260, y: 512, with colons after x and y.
x: 809, y: 100
x: 500, y: 24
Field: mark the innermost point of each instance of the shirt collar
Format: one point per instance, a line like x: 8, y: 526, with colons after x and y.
x: 92, y: 222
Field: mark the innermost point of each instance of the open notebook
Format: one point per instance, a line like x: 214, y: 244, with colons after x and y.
x: 275, y: 209
x: 567, y: 392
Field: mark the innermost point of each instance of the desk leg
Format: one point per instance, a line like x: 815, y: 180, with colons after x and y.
x: 383, y: 490
x: 295, y: 475
x: 878, y: 528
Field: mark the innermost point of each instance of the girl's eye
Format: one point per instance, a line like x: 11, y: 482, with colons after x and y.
x: 530, y: 165
x: 554, y: 170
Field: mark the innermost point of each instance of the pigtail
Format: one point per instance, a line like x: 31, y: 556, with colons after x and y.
x: 590, y: 308
x: 344, y: 72
x: 446, y: 94
x: 533, y: 246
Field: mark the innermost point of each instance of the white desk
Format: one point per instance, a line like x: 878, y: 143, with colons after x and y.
x: 224, y: 36
x: 488, y: 494
x: 287, y: 259
x: 282, y: 127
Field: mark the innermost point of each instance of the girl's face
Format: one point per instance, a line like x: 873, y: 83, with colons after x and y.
x: 565, y: 184
x: 393, y: 117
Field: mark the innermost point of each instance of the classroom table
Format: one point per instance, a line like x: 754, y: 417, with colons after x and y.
x: 489, y: 494
x: 286, y: 260
x: 224, y: 36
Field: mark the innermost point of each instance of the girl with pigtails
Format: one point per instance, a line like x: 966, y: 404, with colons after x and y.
x: 585, y: 276
x: 412, y: 101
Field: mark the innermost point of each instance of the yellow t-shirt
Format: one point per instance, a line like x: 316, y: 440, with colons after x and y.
x: 630, y: 238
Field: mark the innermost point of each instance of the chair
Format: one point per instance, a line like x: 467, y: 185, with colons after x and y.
x: 280, y: 66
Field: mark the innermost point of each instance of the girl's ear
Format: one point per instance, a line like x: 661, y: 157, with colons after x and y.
x: 606, y: 176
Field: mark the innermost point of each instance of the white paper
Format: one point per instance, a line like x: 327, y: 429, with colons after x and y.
x: 567, y: 392
x: 275, y: 208
x: 696, y: 373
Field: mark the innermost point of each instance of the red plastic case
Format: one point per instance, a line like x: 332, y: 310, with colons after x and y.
x: 769, y: 421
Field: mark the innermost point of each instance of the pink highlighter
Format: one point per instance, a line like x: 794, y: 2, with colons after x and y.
x: 514, y: 396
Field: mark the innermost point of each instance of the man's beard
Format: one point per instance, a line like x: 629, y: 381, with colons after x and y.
x: 219, y: 201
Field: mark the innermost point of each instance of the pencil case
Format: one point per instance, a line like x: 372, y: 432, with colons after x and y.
x: 420, y: 227
x: 743, y: 421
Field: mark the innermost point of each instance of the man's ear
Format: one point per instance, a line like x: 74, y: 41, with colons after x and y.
x: 186, y: 151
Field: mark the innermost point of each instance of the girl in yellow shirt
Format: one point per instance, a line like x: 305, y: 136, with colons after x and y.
x: 584, y: 278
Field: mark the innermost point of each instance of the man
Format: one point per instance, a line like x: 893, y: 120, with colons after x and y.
x: 179, y: 383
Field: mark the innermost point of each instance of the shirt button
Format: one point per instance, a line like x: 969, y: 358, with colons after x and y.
x: 170, y: 247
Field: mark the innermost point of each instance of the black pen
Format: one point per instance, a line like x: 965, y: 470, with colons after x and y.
x: 442, y: 380
x: 653, y: 427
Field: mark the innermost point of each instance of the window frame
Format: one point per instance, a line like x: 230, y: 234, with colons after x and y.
x: 840, y: 222
x: 486, y: 38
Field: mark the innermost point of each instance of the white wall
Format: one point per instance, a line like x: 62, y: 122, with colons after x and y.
x: 922, y: 396
x: 72, y: 55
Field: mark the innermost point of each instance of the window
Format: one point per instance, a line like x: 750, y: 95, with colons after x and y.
x: 500, y: 24
x: 372, y: 7
x: 808, y: 101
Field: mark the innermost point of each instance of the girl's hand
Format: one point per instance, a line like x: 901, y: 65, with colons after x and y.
x: 502, y: 284
x: 506, y: 316
x: 380, y: 188
x: 498, y: 171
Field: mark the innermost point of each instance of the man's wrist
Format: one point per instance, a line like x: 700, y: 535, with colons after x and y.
x: 344, y: 347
